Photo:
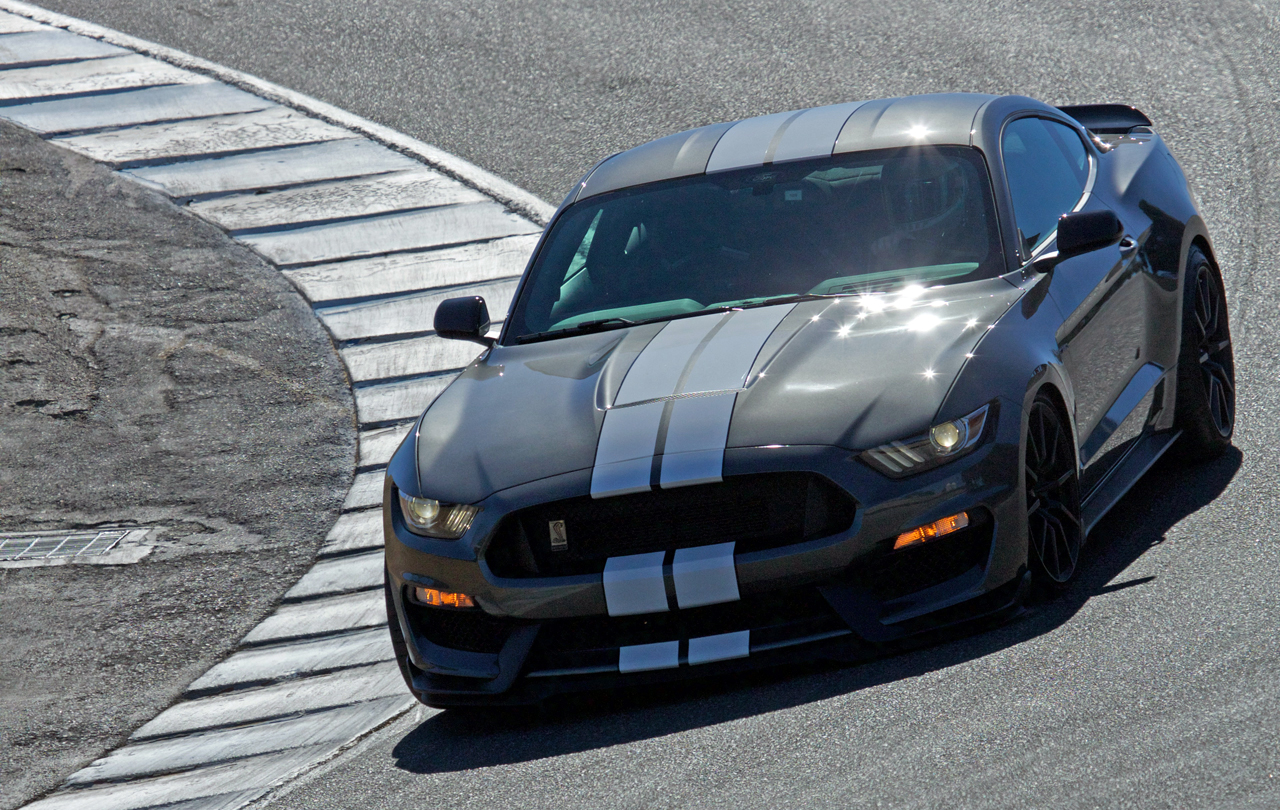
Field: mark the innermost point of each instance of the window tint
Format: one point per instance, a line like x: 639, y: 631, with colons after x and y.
x: 858, y: 223
x: 1047, y: 167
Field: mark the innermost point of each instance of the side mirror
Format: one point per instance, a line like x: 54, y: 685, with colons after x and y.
x: 464, y: 319
x: 1083, y: 231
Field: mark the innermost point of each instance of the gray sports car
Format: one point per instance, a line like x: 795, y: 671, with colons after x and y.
x: 810, y: 384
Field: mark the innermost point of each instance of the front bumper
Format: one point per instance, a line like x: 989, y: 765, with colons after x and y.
x: 840, y: 595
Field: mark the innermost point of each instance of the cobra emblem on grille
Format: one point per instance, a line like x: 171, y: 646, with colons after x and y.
x: 559, y: 536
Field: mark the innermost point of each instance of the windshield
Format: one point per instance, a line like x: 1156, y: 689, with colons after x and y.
x: 857, y: 223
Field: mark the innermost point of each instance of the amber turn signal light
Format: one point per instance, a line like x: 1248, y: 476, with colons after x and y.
x: 438, y: 598
x: 932, y: 531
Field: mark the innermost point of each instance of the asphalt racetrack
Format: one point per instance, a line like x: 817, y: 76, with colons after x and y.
x: 1155, y: 682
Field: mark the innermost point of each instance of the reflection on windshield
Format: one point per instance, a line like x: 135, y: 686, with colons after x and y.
x: 852, y: 224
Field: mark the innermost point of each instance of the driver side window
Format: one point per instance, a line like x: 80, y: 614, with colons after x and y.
x: 1047, y: 167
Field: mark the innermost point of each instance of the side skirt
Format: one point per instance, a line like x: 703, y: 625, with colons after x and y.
x: 1145, y: 452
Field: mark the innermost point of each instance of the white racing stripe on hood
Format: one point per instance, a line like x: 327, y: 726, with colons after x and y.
x: 624, y: 453
x: 657, y: 371
x: 680, y: 360
x: 698, y: 427
x: 697, y: 432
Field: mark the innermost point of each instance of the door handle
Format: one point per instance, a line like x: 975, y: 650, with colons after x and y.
x: 1128, y: 245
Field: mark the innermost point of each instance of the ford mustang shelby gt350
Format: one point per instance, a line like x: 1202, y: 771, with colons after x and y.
x: 802, y: 385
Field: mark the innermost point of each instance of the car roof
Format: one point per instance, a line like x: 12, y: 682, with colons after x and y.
x: 940, y: 118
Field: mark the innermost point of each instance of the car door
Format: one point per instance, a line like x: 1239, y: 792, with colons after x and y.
x: 1049, y: 169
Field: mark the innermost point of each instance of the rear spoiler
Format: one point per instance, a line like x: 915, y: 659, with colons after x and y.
x: 1107, y: 119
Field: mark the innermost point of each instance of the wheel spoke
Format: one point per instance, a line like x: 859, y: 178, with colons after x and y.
x: 1054, y: 529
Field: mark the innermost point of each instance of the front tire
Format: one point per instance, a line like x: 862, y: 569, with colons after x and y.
x: 1206, y: 404
x: 1055, y: 531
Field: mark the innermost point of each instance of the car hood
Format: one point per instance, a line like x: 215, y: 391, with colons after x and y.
x: 851, y: 372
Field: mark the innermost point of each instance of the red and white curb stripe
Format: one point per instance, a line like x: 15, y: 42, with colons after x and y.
x: 373, y: 228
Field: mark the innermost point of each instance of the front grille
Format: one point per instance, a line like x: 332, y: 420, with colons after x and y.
x: 756, y: 511
x: 890, y: 574
x: 594, y: 640
x: 469, y: 630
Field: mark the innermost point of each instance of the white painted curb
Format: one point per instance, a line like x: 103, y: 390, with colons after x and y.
x: 374, y: 229
x: 507, y: 193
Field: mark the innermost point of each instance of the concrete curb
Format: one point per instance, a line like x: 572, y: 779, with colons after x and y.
x: 507, y: 193
x: 373, y: 228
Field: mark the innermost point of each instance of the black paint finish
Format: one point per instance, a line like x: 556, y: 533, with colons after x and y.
x: 838, y: 375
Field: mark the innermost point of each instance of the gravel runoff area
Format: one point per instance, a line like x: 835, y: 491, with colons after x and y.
x: 151, y: 373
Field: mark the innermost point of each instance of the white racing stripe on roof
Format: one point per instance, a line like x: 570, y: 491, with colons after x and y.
x: 814, y: 133
x: 746, y: 142
x: 781, y: 137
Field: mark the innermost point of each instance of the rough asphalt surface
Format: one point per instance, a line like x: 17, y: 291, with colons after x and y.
x: 151, y: 373
x: 1154, y: 683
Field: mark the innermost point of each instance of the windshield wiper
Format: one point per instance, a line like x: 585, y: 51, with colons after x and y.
x: 596, y: 325
x: 785, y: 299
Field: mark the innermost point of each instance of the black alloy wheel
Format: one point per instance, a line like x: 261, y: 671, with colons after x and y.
x: 1054, y: 527
x: 1206, y: 404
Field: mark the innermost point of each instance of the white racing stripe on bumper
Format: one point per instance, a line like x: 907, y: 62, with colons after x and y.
x: 644, y: 657
x: 705, y: 575
x: 723, y: 647
x: 635, y: 584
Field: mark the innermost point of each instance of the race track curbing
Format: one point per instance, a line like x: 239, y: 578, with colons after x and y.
x: 373, y: 228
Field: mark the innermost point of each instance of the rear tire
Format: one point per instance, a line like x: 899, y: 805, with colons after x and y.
x: 1206, y: 397
x: 1055, y: 531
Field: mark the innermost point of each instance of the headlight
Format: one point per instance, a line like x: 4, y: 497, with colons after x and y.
x: 429, y: 517
x: 940, y: 444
